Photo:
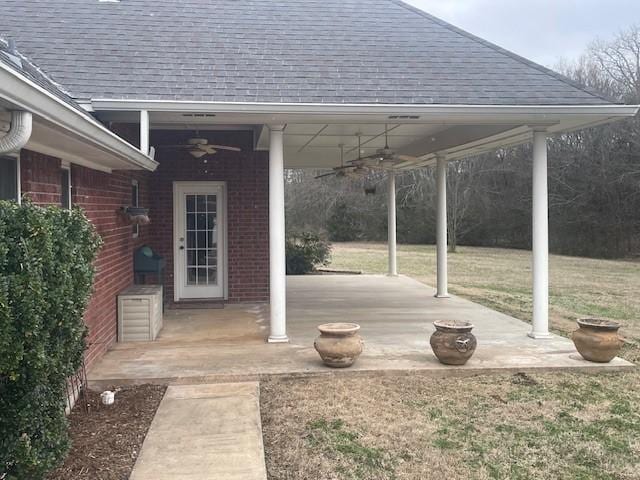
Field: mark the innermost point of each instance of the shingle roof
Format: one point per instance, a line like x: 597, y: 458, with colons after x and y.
x: 25, y: 67
x: 317, y: 51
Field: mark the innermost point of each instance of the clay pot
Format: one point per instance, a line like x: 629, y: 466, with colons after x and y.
x: 452, y: 342
x: 597, y: 340
x: 339, y: 344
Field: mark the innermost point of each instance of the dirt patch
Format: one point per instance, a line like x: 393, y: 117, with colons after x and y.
x: 106, y: 440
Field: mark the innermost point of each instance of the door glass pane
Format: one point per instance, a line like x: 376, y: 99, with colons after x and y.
x: 191, y: 221
x: 202, y: 276
x: 191, y: 203
x: 191, y: 276
x: 201, y: 203
x: 213, y: 275
x: 191, y: 239
x: 202, y: 221
x: 202, y: 241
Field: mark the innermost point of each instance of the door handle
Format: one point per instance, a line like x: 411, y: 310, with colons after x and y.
x: 181, y: 247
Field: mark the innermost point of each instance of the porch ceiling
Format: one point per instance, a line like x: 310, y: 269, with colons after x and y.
x: 313, y: 134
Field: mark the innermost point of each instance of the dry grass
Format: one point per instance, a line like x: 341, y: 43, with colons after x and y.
x: 548, y: 426
x: 411, y: 427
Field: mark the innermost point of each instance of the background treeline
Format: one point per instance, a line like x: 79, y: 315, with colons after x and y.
x: 594, y: 182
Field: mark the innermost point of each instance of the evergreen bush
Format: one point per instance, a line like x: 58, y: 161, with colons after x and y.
x: 46, y: 276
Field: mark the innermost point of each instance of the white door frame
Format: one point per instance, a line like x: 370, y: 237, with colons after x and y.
x: 178, y: 273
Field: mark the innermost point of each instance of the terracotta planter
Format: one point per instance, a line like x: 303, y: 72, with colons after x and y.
x: 339, y: 344
x: 597, y: 340
x: 452, y: 342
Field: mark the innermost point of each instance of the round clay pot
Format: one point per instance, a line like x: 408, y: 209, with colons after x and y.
x: 597, y: 340
x: 452, y: 342
x: 339, y: 344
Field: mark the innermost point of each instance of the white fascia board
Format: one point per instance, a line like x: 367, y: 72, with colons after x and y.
x: 611, y: 110
x: 27, y: 95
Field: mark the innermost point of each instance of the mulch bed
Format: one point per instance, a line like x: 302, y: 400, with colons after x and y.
x: 106, y: 440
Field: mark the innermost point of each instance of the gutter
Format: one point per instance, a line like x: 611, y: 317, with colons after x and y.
x: 31, y: 97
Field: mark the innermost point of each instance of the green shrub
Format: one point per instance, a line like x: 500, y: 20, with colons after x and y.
x: 305, y: 252
x: 46, y: 273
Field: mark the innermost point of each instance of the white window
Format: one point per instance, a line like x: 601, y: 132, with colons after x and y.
x: 9, y: 178
x: 135, y: 202
x: 65, y: 187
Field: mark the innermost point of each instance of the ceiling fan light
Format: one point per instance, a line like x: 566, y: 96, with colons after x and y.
x: 197, y: 153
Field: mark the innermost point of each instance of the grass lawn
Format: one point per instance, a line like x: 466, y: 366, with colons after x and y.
x: 544, y: 426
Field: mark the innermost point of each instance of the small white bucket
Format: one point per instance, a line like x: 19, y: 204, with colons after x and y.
x: 108, y: 397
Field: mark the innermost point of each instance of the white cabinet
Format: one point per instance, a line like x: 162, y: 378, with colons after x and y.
x: 139, y: 313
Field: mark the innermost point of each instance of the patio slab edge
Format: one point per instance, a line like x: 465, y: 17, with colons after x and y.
x: 620, y: 365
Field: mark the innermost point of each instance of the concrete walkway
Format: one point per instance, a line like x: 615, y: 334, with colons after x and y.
x: 205, y: 432
x: 396, y: 315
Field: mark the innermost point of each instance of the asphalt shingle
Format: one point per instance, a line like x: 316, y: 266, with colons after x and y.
x: 25, y: 67
x: 292, y: 51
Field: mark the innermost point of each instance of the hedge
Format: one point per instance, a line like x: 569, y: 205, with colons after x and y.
x: 46, y: 276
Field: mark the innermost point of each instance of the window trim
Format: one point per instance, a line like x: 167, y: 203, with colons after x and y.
x: 66, y: 167
x: 135, y: 184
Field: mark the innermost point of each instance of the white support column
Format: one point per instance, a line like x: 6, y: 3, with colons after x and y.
x: 144, y: 132
x: 277, y: 272
x: 540, y: 238
x: 391, y: 211
x: 441, y: 228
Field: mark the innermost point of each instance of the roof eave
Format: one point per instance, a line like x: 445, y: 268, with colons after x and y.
x: 21, y: 91
x: 107, y: 104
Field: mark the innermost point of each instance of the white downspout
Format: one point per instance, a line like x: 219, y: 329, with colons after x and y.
x: 19, y: 134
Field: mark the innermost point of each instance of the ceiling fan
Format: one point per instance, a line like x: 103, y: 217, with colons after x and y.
x: 384, y: 158
x: 199, y: 147
x: 351, y: 171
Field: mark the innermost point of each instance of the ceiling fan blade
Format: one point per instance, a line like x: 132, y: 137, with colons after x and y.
x: 407, y: 158
x: 375, y: 156
x: 326, y: 175
x: 225, y: 147
x: 345, y: 167
x: 174, y: 146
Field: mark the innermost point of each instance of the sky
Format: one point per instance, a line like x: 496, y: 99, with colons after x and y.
x: 544, y: 31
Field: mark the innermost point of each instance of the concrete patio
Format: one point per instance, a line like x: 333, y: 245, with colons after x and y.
x: 396, y: 315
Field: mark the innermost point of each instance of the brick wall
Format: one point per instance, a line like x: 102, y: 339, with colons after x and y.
x: 40, y: 177
x: 247, y: 182
x: 101, y: 195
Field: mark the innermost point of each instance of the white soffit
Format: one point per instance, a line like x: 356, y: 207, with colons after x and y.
x: 315, y: 131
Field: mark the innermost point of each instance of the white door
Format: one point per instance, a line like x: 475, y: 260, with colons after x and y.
x: 199, y: 234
